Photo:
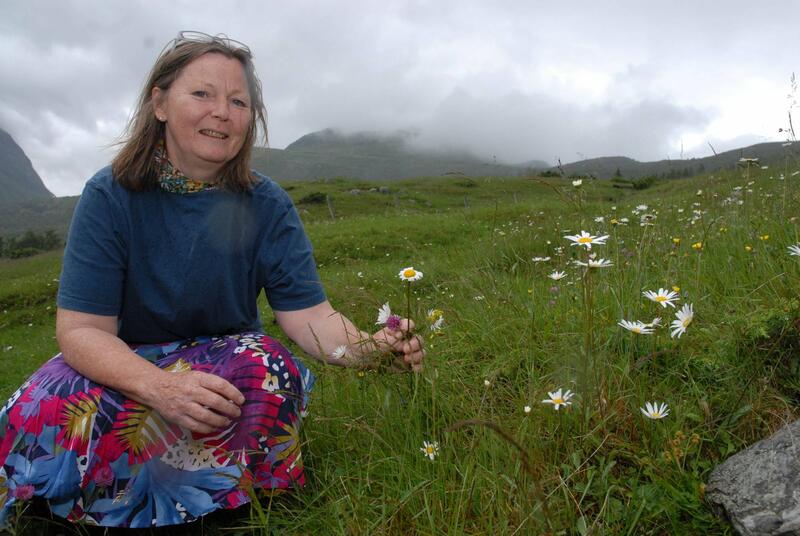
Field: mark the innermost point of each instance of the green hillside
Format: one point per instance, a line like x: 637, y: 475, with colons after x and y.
x: 775, y: 154
x: 369, y: 156
x: 511, y: 336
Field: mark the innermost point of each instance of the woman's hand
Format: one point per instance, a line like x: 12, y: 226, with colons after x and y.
x: 320, y: 329
x: 406, y: 346
x: 198, y: 401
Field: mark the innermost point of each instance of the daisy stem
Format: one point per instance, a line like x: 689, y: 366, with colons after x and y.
x: 697, y: 271
x: 408, y: 307
x: 588, y: 330
x: 412, y: 380
x: 654, y: 346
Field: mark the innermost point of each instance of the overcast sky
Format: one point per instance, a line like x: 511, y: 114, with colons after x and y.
x: 521, y: 80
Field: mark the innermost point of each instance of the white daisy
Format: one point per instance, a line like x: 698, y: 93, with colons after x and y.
x: 663, y: 297
x: 794, y: 250
x: 540, y: 259
x: 383, y: 314
x: 637, y: 327
x: 558, y: 399
x: 595, y: 263
x: 410, y: 274
x: 435, y: 319
x: 339, y: 352
x: 577, y: 182
x: 555, y: 276
x: 585, y: 239
x: 430, y: 449
x: 684, y: 317
x: 654, y: 411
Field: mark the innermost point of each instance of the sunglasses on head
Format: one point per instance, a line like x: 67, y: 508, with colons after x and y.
x: 200, y: 37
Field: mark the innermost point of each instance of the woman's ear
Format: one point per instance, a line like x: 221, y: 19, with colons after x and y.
x: 157, y: 95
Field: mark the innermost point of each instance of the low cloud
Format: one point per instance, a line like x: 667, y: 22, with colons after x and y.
x: 517, y: 127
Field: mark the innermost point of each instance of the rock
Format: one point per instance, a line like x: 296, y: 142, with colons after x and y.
x: 758, y: 489
x: 384, y: 189
x: 355, y: 191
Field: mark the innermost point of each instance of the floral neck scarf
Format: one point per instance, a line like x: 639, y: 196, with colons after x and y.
x: 170, y: 178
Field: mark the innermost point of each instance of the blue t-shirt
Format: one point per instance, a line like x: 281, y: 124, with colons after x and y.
x: 174, y: 266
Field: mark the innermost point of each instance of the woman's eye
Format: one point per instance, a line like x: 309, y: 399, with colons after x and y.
x: 200, y: 93
x: 240, y: 103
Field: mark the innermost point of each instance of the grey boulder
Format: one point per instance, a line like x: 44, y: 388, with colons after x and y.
x: 758, y: 489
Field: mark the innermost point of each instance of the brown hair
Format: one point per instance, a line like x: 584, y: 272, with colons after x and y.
x: 134, y: 166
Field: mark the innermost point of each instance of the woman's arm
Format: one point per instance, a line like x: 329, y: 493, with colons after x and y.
x: 320, y: 329
x: 195, y: 400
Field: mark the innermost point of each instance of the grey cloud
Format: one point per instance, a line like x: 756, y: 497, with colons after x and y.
x: 505, y: 79
x: 518, y: 127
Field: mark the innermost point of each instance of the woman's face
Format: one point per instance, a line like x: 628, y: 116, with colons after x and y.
x: 207, y: 114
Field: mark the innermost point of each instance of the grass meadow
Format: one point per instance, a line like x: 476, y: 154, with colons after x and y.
x: 505, y: 462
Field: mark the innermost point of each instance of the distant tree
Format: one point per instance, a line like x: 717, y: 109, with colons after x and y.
x: 18, y: 253
x: 29, y: 240
x: 50, y: 240
x: 29, y: 243
x: 642, y: 183
x: 618, y: 173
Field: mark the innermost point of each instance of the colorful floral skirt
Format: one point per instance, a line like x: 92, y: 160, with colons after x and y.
x: 95, y: 455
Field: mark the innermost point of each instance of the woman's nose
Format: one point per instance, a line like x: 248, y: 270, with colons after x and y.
x: 221, y: 108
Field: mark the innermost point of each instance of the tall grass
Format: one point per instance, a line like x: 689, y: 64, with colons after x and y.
x: 511, y: 335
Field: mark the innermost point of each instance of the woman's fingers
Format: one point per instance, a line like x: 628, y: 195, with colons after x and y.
x: 410, y: 350
x: 206, y: 416
x: 217, y: 403
x: 221, y: 386
x: 193, y: 425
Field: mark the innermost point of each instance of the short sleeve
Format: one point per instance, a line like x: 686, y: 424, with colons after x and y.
x: 290, y: 272
x: 95, y: 257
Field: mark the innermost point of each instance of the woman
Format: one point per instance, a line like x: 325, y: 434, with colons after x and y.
x: 167, y: 401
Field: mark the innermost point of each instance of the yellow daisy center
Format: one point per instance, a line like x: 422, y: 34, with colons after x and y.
x: 585, y: 240
x: 558, y: 401
x: 429, y: 450
x: 661, y: 298
x: 637, y: 330
x: 409, y: 273
x: 686, y: 322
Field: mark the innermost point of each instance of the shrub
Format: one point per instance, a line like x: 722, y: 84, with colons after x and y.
x: 314, y: 198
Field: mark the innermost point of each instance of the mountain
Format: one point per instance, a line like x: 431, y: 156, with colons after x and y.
x: 769, y: 154
x: 369, y: 156
x: 18, y: 180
